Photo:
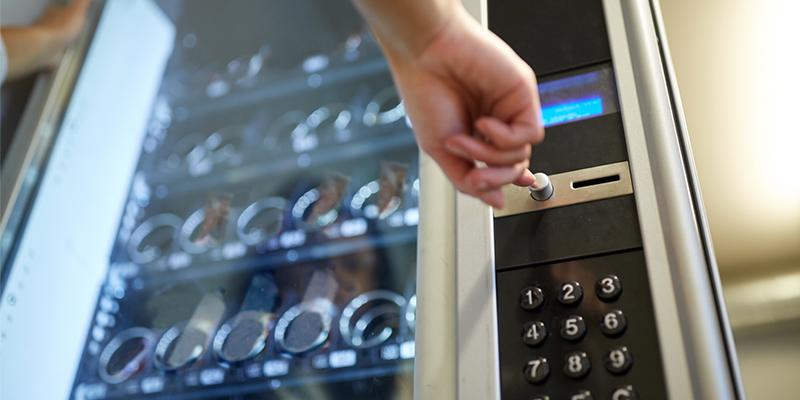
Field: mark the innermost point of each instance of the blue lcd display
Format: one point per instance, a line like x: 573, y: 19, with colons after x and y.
x: 571, y: 111
x: 578, y: 97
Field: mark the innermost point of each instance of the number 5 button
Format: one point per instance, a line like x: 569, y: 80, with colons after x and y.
x: 608, y: 288
x: 573, y: 327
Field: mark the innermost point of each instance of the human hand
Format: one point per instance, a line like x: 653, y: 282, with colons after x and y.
x: 470, y: 99
x: 39, y: 46
x: 64, y: 23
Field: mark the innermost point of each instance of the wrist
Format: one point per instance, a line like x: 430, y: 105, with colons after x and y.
x: 405, y: 28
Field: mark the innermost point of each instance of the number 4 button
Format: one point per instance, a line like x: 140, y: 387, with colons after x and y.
x: 534, y: 333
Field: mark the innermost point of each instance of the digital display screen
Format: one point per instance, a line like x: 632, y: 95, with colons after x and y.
x: 578, y: 97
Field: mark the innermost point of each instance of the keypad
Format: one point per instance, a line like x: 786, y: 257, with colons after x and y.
x: 581, y: 346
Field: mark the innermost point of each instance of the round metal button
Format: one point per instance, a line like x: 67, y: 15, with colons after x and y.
x: 618, y: 360
x: 613, y: 323
x: 534, y: 333
x: 531, y: 298
x: 577, y: 365
x: 573, y: 327
x: 608, y: 288
x: 624, y: 393
x: 570, y: 293
x: 537, y: 370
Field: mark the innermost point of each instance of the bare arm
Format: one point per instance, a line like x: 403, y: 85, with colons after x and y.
x: 469, y: 96
x: 39, y: 46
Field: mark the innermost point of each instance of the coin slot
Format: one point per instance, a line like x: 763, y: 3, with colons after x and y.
x: 595, y: 181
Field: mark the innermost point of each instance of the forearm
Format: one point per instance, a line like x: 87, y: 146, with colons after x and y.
x: 405, y: 27
x: 29, y: 49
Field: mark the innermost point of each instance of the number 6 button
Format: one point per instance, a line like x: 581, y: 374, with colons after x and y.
x: 613, y: 323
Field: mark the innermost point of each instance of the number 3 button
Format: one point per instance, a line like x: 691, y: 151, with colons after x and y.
x: 608, y: 288
x: 570, y: 293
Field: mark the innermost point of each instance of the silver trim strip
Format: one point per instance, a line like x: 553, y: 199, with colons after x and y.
x: 518, y: 199
x: 477, y: 357
x: 435, y: 368
x: 690, y: 337
x: 733, y: 359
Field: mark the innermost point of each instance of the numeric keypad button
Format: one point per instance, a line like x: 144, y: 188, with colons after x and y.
x: 531, y: 298
x: 582, y: 395
x: 541, y: 397
x: 613, y: 323
x: 624, y: 393
x: 537, y: 370
x: 570, y: 293
x: 576, y: 365
x: 573, y: 327
x: 618, y: 360
x: 608, y: 288
x: 534, y: 333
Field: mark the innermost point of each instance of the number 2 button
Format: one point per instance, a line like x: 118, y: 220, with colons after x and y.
x: 570, y: 293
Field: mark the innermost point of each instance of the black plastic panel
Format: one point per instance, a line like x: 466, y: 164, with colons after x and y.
x: 567, y: 232
x: 640, y: 337
x: 581, y: 144
x: 552, y: 35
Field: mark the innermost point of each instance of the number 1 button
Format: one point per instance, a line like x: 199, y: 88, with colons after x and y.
x: 531, y: 298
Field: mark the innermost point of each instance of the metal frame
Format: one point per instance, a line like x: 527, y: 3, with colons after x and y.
x: 35, y: 135
x: 699, y: 358
x: 690, y: 322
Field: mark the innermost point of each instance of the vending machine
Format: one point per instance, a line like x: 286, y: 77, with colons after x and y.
x: 224, y: 200
x: 599, y: 282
